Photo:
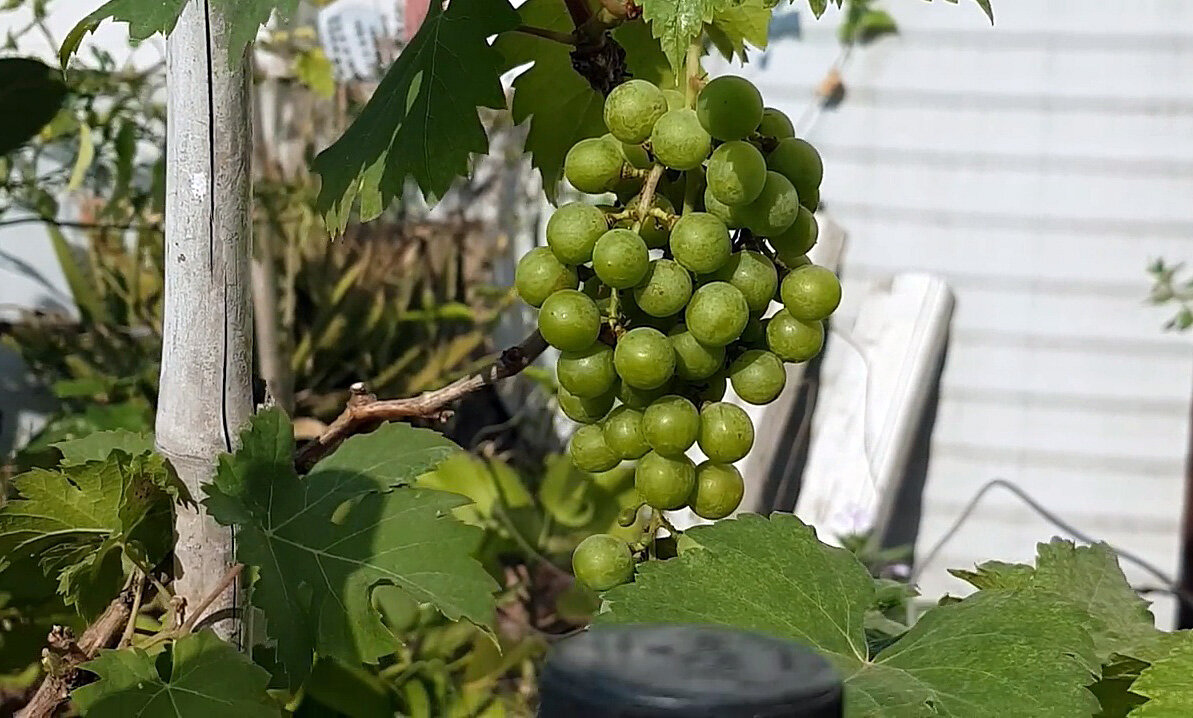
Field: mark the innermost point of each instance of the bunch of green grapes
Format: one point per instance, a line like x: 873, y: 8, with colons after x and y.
x: 661, y: 299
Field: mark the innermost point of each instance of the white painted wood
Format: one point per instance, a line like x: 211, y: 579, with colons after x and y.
x: 875, y: 381
x: 206, y: 391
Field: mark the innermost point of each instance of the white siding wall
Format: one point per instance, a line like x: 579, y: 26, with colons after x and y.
x: 1037, y: 166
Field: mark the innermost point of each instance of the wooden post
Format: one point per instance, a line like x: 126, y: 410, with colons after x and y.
x: 206, y: 391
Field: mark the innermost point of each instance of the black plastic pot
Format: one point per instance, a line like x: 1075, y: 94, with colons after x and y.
x: 666, y: 671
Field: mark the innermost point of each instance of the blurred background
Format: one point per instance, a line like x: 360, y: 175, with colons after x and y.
x: 1008, y: 208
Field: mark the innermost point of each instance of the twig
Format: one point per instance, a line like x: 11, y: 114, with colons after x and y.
x: 564, y: 38
x: 224, y: 583
x: 646, y: 199
x: 130, y: 627
x: 78, y: 225
x: 365, y: 410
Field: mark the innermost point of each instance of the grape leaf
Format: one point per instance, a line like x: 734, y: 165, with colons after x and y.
x: 78, y: 522
x: 994, y: 653
x: 242, y: 18
x: 996, y: 574
x: 678, y: 23
x: 198, y: 676
x: 322, y: 543
x: 98, y: 445
x: 735, y: 26
x: 1168, y: 683
x: 562, y: 107
x: 421, y: 122
x: 32, y: 86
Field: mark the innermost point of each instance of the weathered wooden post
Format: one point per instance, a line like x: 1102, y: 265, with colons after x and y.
x: 206, y: 391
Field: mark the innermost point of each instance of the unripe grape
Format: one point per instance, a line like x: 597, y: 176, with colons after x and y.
x: 731, y: 216
x: 754, y: 335
x: 665, y: 290
x: 810, y: 200
x: 710, y: 389
x: 670, y: 425
x: 602, y: 561
x: 717, y: 313
x: 569, y: 320
x: 800, y: 237
x: 729, y: 107
x: 620, y: 258
x: 775, y: 208
x: 792, y: 339
x: 775, y: 124
x: 623, y: 433
x: 636, y: 398
x: 632, y: 109
x: 539, y: 275
x: 644, y: 358
x: 798, y: 161
x: 588, y: 450
x: 653, y: 231
x: 736, y: 173
x: 587, y: 373
x: 718, y: 491
x: 700, y: 242
x: 585, y: 411
x: 675, y: 99
x: 635, y: 154
x: 758, y: 376
x: 694, y: 361
x: 665, y: 482
x: 679, y: 141
x: 573, y: 230
x: 754, y: 276
x: 726, y: 432
x: 593, y: 165
x: 811, y: 292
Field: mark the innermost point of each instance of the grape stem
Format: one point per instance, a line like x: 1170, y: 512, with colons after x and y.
x: 692, y: 73
x: 565, y: 38
x: 646, y: 199
x: 364, y: 411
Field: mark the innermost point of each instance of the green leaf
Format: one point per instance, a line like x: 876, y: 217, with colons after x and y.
x: 81, y: 288
x: 677, y: 24
x: 376, y: 454
x: 996, y: 653
x: 80, y: 521
x: 421, y: 122
x: 99, y: 445
x: 84, y: 158
x: 322, y: 543
x: 242, y: 18
x: 733, y: 27
x: 997, y: 575
x: 34, y: 87
x: 199, y: 676
x: 561, y: 106
x: 313, y: 69
x: 1168, y: 683
x: 818, y: 6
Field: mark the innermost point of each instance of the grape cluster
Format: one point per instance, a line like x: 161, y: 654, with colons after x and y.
x: 659, y: 300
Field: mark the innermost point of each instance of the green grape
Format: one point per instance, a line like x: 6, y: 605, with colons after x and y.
x: 758, y: 376
x: 670, y: 425
x: 700, y: 242
x: 811, y: 292
x: 731, y: 216
x: 694, y: 361
x: 710, y: 389
x: 653, y: 231
x: 675, y: 99
x: 775, y: 209
x: 679, y: 141
x: 718, y: 491
x: 624, y: 435
x: 736, y: 173
x: 539, y: 275
x: 588, y: 373
x: 635, y: 154
x: 620, y: 258
x: 665, y: 482
x: 635, y: 317
x: 641, y: 398
x: 665, y: 290
x: 717, y: 313
x: 726, y: 432
x: 793, y: 339
x: 569, y: 320
x: 585, y: 411
x: 775, y: 124
x: 602, y: 561
x: 593, y: 165
x: 754, y: 276
x: 588, y: 450
x: 644, y: 358
x: 810, y: 200
x: 754, y: 335
x: 798, y: 161
x: 729, y: 107
x: 795, y: 242
x: 573, y: 230
x: 596, y: 289
x: 632, y: 109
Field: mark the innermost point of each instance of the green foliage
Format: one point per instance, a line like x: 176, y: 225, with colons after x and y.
x: 1167, y: 683
x: 1034, y: 653
x: 421, y: 122
x: 35, y: 88
x: 198, y: 675
x: 1172, y: 285
x: 323, y: 542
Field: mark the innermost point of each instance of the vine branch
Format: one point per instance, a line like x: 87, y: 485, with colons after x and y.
x: 564, y: 38
x: 364, y: 410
